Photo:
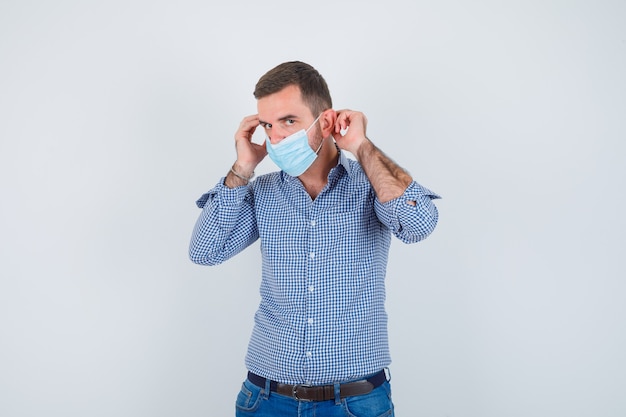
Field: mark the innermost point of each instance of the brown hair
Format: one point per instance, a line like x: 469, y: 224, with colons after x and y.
x: 313, y: 87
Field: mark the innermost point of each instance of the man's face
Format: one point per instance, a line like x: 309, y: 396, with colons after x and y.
x: 284, y: 113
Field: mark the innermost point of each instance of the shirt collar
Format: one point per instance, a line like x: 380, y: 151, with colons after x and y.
x: 343, y: 161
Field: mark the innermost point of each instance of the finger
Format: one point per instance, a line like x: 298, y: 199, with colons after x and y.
x: 337, y: 125
x: 248, y: 126
x: 340, y: 123
x: 250, y: 121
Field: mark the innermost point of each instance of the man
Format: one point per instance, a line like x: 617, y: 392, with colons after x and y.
x: 319, y: 344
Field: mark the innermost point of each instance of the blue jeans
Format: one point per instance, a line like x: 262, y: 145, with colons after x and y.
x: 259, y: 402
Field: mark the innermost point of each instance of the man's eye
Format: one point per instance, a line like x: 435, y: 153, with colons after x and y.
x: 290, y: 122
x: 267, y: 125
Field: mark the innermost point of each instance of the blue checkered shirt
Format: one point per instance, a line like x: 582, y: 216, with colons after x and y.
x: 321, y: 317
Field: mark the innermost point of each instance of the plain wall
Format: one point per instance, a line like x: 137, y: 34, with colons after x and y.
x: 116, y: 116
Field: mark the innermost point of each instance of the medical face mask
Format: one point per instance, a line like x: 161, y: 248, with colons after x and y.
x: 293, y: 154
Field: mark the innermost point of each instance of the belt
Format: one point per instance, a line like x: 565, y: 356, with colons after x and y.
x: 303, y: 392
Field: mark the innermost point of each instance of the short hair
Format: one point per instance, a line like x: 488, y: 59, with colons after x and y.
x: 313, y: 87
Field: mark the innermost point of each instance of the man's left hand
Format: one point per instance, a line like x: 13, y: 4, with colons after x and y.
x: 353, y: 124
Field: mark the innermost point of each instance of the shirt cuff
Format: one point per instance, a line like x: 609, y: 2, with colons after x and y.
x: 391, y: 211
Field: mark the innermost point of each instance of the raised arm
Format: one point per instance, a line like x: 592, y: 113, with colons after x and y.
x: 227, y: 224
x: 403, y: 205
x: 388, y: 178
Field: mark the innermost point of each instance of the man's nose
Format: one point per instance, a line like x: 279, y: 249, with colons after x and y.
x: 277, y: 135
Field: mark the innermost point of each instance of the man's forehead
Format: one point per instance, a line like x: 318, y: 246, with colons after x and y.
x: 287, y: 100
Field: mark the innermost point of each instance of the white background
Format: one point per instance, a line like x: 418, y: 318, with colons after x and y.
x: 116, y: 116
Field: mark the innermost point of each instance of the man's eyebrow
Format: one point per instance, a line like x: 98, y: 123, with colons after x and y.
x: 281, y: 119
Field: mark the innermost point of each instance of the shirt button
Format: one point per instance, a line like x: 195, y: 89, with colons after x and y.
x: 312, y: 255
x: 311, y: 288
x: 309, y: 354
x: 313, y: 223
x: 310, y: 321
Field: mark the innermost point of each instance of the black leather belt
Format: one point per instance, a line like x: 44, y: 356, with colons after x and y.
x: 305, y: 392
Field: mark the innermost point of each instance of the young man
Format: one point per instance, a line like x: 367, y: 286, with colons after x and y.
x: 319, y: 344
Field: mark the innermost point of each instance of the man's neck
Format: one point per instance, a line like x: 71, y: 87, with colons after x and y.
x: 316, y: 177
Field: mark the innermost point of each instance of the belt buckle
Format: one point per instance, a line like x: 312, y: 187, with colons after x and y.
x: 294, y: 392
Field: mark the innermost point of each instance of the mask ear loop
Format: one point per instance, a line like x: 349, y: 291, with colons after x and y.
x: 319, y: 147
x: 313, y: 124
x: 314, y: 121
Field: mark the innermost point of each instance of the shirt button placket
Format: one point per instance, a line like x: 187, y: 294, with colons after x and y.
x: 310, y: 289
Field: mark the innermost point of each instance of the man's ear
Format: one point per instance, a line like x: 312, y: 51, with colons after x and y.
x: 328, y: 119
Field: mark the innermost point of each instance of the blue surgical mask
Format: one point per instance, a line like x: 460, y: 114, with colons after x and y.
x: 293, y: 154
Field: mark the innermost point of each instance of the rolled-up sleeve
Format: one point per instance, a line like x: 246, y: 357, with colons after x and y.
x: 226, y: 225
x: 410, y: 222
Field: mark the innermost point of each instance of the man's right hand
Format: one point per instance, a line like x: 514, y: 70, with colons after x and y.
x: 249, y: 154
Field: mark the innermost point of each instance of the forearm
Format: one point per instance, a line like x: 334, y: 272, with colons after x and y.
x: 388, y: 179
x: 225, y: 227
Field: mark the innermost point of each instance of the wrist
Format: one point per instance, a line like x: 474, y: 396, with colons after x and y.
x: 243, y: 175
x: 242, y: 170
x: 364, y: 150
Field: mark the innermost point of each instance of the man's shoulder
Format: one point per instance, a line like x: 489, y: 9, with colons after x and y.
x: 355, y: 171
x: 270, y: 177
x: 267, y: 181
